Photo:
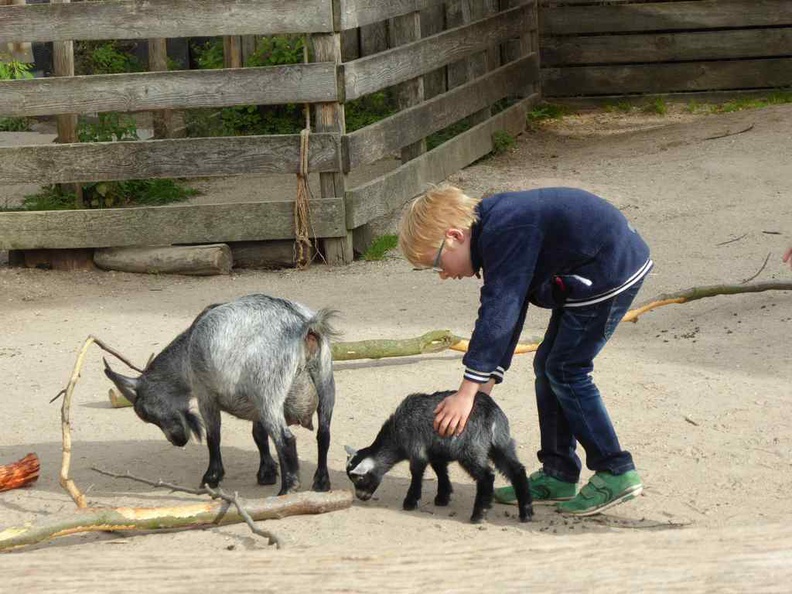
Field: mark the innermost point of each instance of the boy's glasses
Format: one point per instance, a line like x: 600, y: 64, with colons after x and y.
x: 436, y: 266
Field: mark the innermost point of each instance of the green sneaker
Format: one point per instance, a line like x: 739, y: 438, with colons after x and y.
x: 604, y: 490
x: 545, y: 490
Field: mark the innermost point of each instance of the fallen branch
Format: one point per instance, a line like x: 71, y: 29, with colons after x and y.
x: 724, y: 135
x: 206, y: 490
x: 20, y: 473
x: 758, y: 272
x: 211, y: 513
x: 695, y: 293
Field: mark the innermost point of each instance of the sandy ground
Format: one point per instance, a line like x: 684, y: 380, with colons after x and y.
x: 699, y: 393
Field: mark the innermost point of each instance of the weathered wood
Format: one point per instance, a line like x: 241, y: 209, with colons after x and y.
x: 63, y: 66
x: 356, y: 13
x: 391, y: 191
x: 183, y: 516
x: 432, y: 22
x: 385, y: 69
x: 166, y: 123
x: 145, y: 19
x: 457, y: 15
x: 373, y: 38
x: 665, y: 16
x: 58, y: 259
x: 144, y: 91
x: 666, y: 47
x: 665, y: 78
x: 163, y: 225
x: 643, y: 99
x: 329, y: 117
x: 232, y: 51
x: 184, y: 157
x: 264, y: 254
x: 193, y: 260
x: 406, y: 29
x: 382, y: 138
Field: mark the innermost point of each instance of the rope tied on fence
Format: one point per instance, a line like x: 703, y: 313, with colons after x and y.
x: 302, y: 203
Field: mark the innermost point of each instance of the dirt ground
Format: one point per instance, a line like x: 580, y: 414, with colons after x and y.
x: 699, y: 393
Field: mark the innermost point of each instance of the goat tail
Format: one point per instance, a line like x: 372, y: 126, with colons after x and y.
x: 319, y: 324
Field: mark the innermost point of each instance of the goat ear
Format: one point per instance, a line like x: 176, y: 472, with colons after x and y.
x: 366, y: 465
x: 127, y: 385
x: 350, y: 450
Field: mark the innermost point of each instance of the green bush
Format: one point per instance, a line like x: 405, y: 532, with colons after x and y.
x: 105, y: 57
x: 14, y: 70
x: 502, y: 142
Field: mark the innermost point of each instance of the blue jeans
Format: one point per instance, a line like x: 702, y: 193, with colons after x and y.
x: 570, y: 407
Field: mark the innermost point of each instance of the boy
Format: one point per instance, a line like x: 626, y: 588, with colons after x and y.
x: 559, y: 248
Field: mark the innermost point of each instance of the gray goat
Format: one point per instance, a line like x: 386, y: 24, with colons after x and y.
x: 258, y: 358
x: 409, y: 435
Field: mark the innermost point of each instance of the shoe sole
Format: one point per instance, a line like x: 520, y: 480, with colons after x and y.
x: 632, y: 494
x: 536, y: 501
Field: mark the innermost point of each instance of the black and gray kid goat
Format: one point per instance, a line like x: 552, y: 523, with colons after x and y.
x: 258, y: 358
x: 409, y: 435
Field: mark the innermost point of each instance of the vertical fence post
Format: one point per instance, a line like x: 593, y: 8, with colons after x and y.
x: 63, y: 65
x: 522, y: 46
x: 232, y: 51
x: 405, y: 29
x: 166, y: 122
x: 329, y: 117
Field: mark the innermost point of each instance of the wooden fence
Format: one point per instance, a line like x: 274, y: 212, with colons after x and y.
x: 624, y: 47
x: 486, y: 50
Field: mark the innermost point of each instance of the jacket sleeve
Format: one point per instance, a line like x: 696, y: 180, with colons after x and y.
x: 509, y: 259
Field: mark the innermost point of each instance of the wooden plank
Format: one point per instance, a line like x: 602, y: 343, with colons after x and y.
x: 164, y: 225
x: 144, y: 19
x: 356, y: 13
x: 392, y: 190
x: 665, y: 16
x: 406, y: 29
x: 666, y: 78
x: 142, y: 91
x: 183, y: 157
x: 378, y: 140
x: 385, y: 69
x: 644, y: 99
x: 667, y: 47
x: 433, y: 22
x: 329, y: 117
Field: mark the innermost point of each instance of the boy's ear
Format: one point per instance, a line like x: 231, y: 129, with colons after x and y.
x: 456, y: 234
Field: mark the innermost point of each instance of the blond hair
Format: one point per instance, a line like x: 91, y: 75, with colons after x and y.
x: 429, y: 216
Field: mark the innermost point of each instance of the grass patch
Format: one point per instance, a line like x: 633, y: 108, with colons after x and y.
x: 546, y: 111
x: 658, y: 106
x: 502, y: 142
x: 380, y: 246
x: 776, y: 98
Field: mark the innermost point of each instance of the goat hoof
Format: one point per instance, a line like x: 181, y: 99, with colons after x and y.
x: 410, y: 504
x: 442, y: 500
x: 267, y: 476
x: 321, y: 483
x: 211, y: 480
x: 477, y: 518
x: 526, y: 515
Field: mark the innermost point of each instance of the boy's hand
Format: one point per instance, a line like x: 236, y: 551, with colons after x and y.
x: 452, y: 413
x: 787, y: 257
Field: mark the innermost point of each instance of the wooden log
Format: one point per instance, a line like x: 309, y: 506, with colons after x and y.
x: 194, y: 260
x: 263, y: 254
x: 166, y: 518
x: 19, y: 474
x: 146, y: 19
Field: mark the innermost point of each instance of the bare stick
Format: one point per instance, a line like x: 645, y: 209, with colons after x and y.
x: 195, y: 515
x: 732, y: 240
x: 758, y: 272
x: 749, y: 128
x: 205, y: 490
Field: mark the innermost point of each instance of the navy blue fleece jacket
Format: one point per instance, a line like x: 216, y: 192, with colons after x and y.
x: 553, y: 247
